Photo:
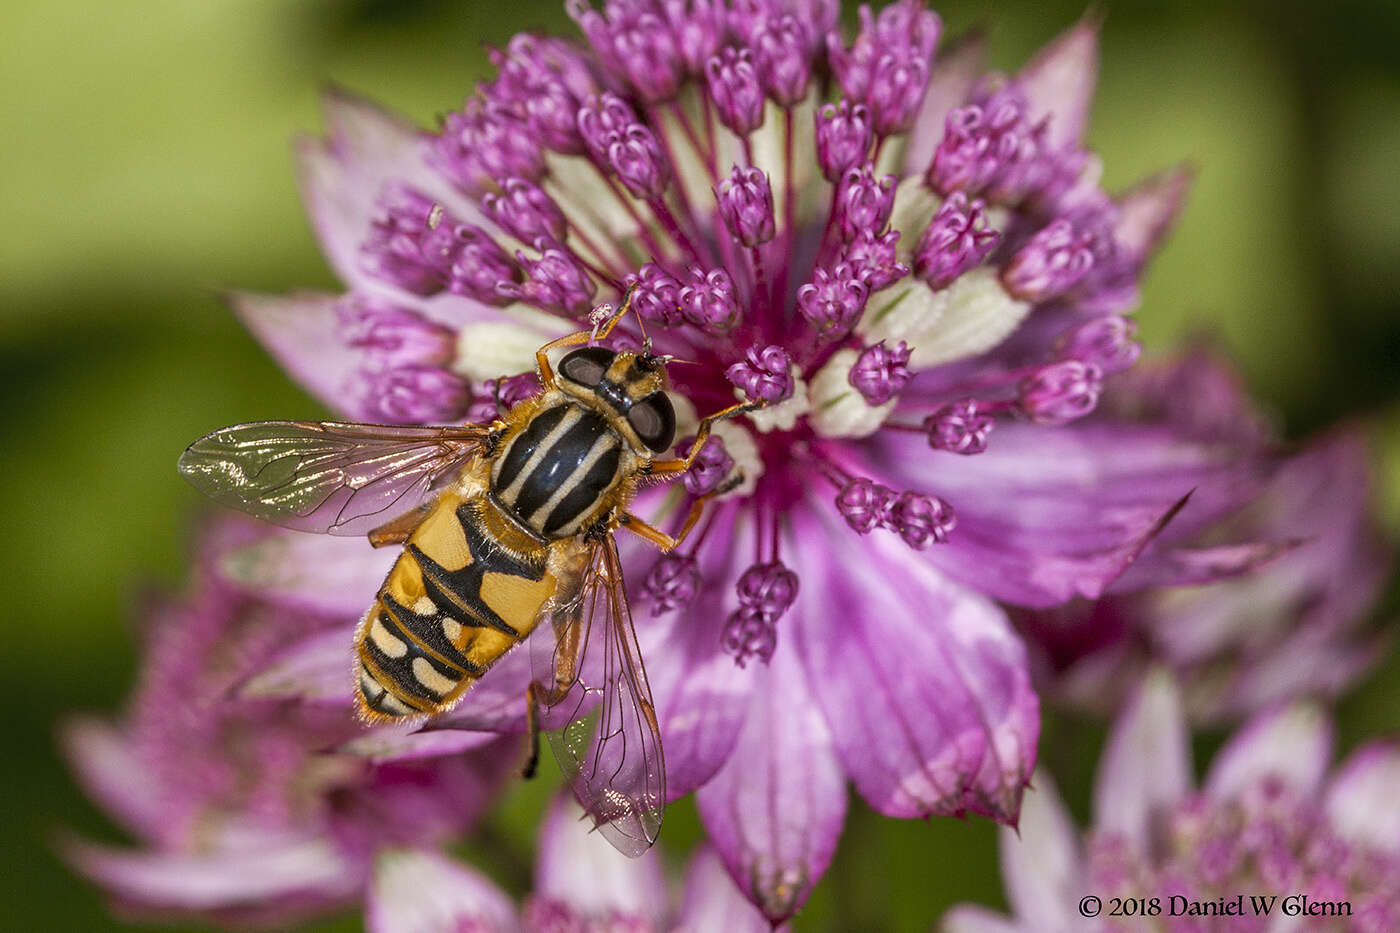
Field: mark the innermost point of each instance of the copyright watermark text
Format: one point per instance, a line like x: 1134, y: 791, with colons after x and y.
x: 1239, y: 905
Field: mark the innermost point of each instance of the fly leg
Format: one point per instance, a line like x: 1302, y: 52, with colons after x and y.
x: 566, y: 651
x: 702, y: 434
x: 547, y: 378
x: 660, y: 538
x: 397, y: 530
x: 535, y: 694
x: 679, y: 465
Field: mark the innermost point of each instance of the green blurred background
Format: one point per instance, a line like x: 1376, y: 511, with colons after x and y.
x: 146, y: 164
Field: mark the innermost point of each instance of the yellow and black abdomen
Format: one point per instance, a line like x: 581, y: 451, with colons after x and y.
x: 454, y: 602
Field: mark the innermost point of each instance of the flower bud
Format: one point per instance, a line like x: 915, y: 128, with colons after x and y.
x: 880, y: 372
x: 732, y: 80
x: 863, y: 202
x: 1060, y: 392
x: 865, y: 504
x: 710, y: 469
x: 1050, y: 263
x: 844, y: 137
x: 959, y: 427
x: 656, y: 295
x: 708, y: 301
x: 764, y: 375
x: 922, y: 520
x: 1106, y: 342
x: 956, y: 240
x: 770, y: 588
x: 834, y: 300
x: 746, y: 205
x: 523, y: 210
x: 672, y: 583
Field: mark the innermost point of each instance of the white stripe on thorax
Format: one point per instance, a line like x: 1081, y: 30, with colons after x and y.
x: 606, y: 442
x: 570, y: 418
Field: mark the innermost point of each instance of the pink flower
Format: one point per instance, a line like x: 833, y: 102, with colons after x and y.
x: 1272, y: 818
x: 248, y: 805
x: 888, y: 663
x: 581, y: 885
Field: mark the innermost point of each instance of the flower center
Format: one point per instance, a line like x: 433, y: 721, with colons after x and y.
x: 840, y: 260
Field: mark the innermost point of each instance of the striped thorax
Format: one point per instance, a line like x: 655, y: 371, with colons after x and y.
x: 564, y: 466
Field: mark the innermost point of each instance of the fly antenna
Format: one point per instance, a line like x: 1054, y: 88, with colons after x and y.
x: 627, y: 306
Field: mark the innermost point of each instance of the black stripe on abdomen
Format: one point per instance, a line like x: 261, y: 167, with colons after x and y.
x: 414, y: 672
x: 587, y: 490
x: 559, y: 462
x: 427, y: 631
x: 457, y: 593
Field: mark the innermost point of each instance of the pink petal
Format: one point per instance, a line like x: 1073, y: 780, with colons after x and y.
x: 1060, y: 81
x: 114, y: 775
x: 1361, y: 799
x: 416, y: 891
x: 323, y: 574
x: 970, y: 918
x: 1194, y: 566
x: 317, y: 669
x: 396, y: 743
x: 955, y: 72
x: 1308, y: 662
x: 930, y: 705
x: 1149, y: 210
x: 1294, y: 624
x: 776, y: 808
x: 1048, y: 514
x: 251, y: 875
x: 342, y: 175
x: 579, y: 868
x: 712, y: 902
x: 301, y: 332
x: 1146, y: 765
x: 701, y: 695
x: 1042, y: 863
x: 1292, y: 744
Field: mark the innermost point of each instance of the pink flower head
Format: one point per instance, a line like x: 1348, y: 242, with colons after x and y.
x: 249, y: 802
x: 768, y: 293
x: 1273, y: 819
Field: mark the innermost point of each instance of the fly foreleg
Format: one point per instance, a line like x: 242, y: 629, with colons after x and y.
x: 661, y: 539
x: 547, y: 378
x: 702, y: 434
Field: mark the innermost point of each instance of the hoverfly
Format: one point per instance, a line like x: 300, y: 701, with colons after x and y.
x: 516, y: 529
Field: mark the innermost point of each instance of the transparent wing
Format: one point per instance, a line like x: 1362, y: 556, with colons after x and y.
x: 599, y: 710
x: 323, y: 476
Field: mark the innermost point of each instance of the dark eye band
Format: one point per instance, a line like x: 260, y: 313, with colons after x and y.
x: 654, y: 420
x: 586, y: 366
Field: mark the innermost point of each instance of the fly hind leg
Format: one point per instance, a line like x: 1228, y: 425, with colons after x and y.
x: 565, y: 676
x: 400, y: 529
x: 537, y: 695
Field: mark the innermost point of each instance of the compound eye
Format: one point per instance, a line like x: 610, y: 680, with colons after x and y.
x: 654, y: 420
x: 586, y: 366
